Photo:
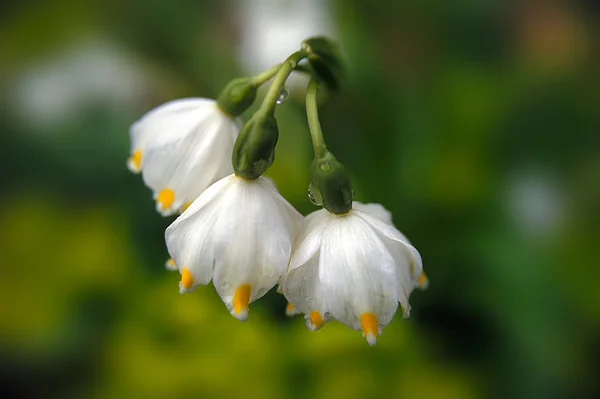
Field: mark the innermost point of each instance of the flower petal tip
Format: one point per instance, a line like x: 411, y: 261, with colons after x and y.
x: 241, y: 299
x: 170, y: 265
x: 423, y: 281
x: 314, y: 321
x: 187, y: 281
x: 134, y: 162
x: 164, y: 200
x: 368, y: 322
x: 183, y: 290
x: 371, y: 339
x: 242, y: 315
x: 291, y: 310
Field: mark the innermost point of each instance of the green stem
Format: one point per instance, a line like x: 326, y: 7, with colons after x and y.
x: 265, y: 76
x: 312, y: 114
x: 285, y: 69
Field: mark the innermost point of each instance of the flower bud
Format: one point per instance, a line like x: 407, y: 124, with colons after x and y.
x: 254, y: 150
x: 237, y: 96
x: 330, y: 185
x: 326, y: 60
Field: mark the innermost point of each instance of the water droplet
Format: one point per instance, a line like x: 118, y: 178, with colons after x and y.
x: 314, y: 195
x: 283, y: 95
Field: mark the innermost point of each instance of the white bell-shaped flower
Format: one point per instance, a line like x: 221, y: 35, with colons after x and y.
x: 181, y: 148
x: 354, y: 268
x: 239, y: 234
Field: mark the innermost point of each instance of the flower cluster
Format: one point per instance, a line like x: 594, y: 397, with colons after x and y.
x: 345, y: 262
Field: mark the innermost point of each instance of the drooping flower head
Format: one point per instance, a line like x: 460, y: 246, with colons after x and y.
x: 181, y: 148
x: 238, y: 234
x: 354, y: 268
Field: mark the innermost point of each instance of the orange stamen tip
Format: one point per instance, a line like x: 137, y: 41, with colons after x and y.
x: 165, y: 198
x: 186, y: 279
x: 170, y: 264
x: 423, y: 281
x: 185, y: 206
x: 315, y: 321
x: 241, y: 299
x: 289, y: 309
x: 135, y: 161
x: 368, y: 322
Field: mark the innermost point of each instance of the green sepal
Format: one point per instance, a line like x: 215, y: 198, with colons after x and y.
x: 326, y: 60
x: 254, y: 149
x: 237, y: 96
x: 330, y: 185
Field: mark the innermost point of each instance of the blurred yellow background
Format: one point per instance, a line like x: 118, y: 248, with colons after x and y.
x: 477, y: 123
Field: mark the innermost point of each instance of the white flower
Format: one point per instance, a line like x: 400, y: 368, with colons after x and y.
x: 181, y: 148
x: 238, y: 233
x: 354, y: 268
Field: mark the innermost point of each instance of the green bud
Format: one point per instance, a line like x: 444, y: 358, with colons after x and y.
x: 330, y: 185
x: 254, y: 149
x: 326, y: 59
x: 237, y: 96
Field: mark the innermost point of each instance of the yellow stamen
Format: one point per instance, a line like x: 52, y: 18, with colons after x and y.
x: 316, y: 319
x: 185, y: 206
x: 422, y: 280
x: 136, y: 160
x: 289, y: 308
x: 165, y: 198
x: 241, y: 299
x: 186, y: 278
x: 368, y: 322
x: 170, y: 264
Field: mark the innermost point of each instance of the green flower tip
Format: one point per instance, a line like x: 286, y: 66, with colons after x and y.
x: 330, y: 185
x: 237, y: 96
x: 254, y: 149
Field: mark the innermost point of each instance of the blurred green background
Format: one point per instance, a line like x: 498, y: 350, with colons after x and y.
x: 477, y: 123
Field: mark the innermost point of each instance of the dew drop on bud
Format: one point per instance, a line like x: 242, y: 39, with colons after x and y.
x: 314, y: 195
x: 283, y: 95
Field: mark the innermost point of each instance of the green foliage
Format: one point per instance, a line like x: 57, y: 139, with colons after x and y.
x: 476, y: 123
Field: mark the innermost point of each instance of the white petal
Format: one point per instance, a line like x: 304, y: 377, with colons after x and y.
x: 189, y: 237
x: 378, y: 211
x: 205, y: 198
x: 357, y: 272
x: 196, y: 154
x: 392, y: 233
x: 247, y: 235
x: 158, y: 121
x: 301, y: 287
x: 291, y: 217
x: 308, y: 239
x: 405, y: 283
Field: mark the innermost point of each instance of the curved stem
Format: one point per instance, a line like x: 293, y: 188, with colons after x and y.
x: 312, y: 114
x: 285, y: 69
x: 266, y: 75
